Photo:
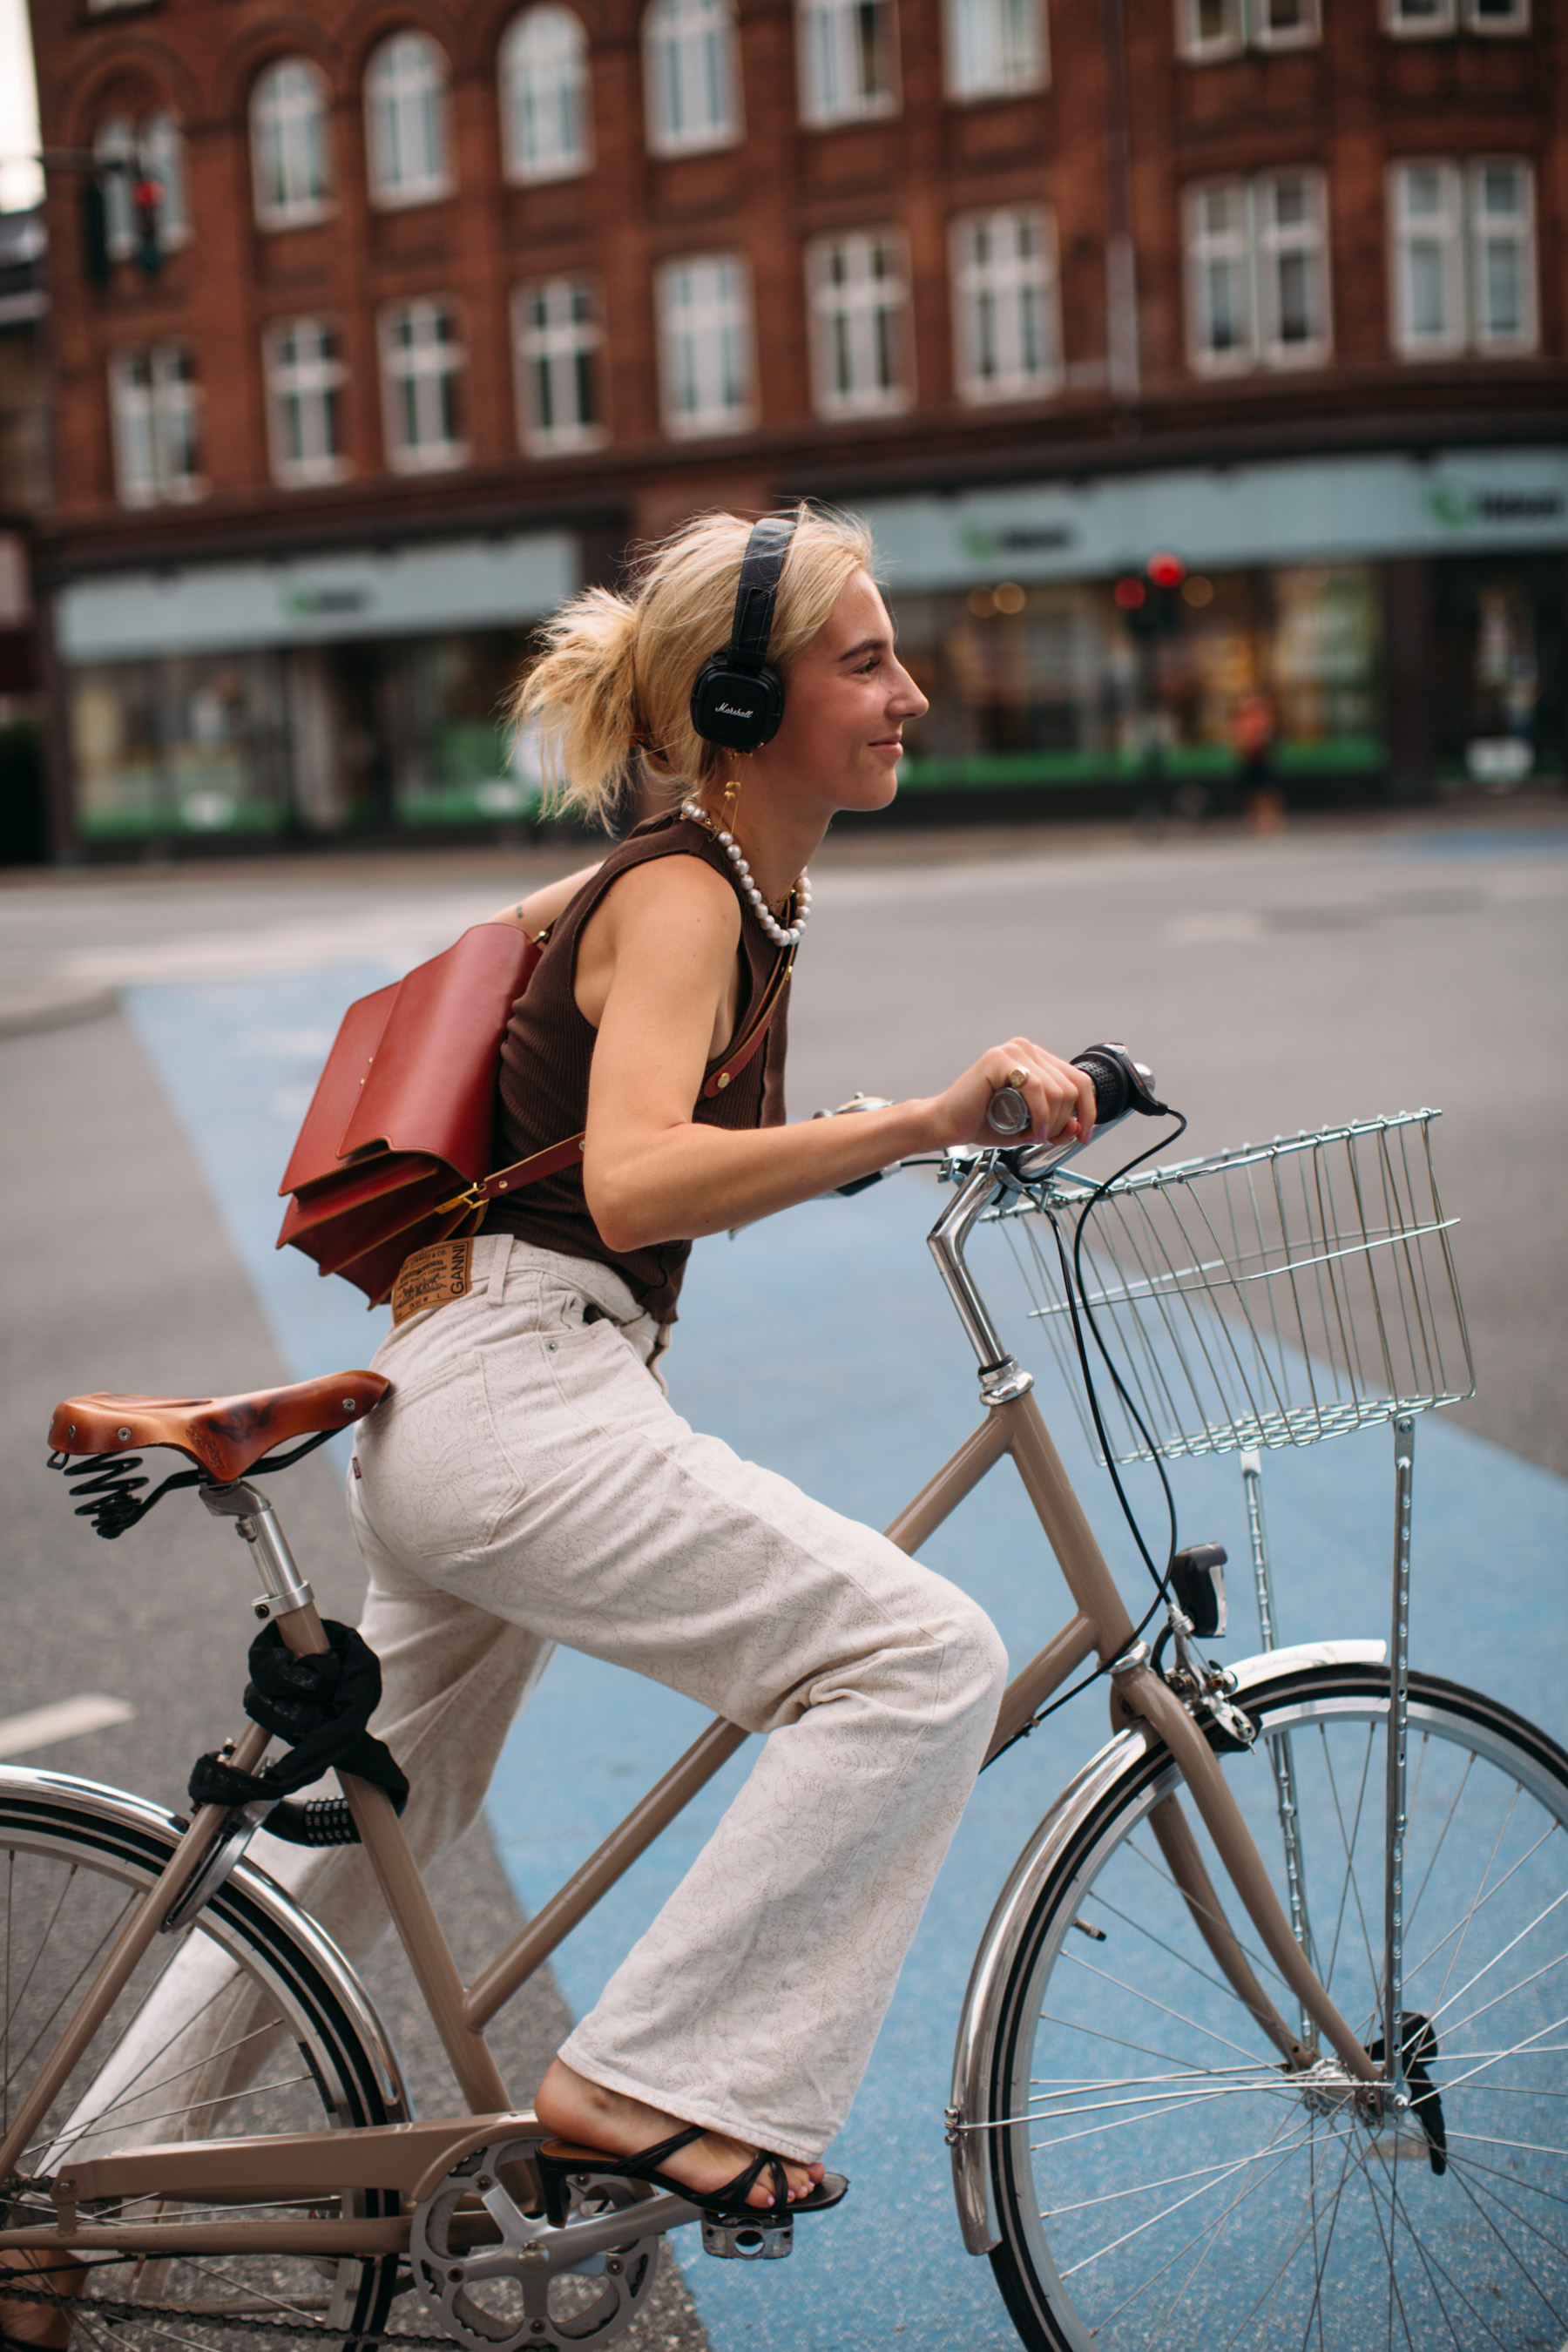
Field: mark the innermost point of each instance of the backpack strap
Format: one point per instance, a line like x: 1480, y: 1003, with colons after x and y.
x: 557, y: 1156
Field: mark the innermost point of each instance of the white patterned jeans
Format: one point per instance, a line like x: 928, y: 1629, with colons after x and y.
x: 527, y: 1482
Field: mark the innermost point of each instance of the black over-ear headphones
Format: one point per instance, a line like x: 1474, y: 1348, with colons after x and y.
x: 737, y: 698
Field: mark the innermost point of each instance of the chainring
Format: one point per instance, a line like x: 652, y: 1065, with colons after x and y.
x: 526, y: 2290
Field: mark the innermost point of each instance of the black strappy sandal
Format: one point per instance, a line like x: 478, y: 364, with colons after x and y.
x: 557, y: 2170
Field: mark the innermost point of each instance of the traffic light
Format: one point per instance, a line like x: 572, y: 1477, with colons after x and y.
x: 146, y: 198
x: 1150, y: 605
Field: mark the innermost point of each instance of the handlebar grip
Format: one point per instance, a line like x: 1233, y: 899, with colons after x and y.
x: 1112, y: 1087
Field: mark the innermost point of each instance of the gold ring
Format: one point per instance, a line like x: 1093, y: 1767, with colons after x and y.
x: 1018, y: 1078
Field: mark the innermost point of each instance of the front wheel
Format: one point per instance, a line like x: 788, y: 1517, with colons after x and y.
x: 1159, y: 2179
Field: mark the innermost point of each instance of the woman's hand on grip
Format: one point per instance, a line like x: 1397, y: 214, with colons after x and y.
x: 1061, y: 1097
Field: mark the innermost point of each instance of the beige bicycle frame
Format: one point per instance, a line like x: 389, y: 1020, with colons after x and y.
x: 414, y: 2158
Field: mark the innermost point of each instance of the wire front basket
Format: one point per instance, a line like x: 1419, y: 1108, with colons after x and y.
x: 1270, y: 1296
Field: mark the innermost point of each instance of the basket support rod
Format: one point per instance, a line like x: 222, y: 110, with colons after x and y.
x: 1281, y: 1758
x: 1398, y: 1716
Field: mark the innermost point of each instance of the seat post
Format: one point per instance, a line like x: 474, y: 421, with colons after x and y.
x: 284, y: 1591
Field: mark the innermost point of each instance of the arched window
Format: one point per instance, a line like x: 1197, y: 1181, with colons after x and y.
x: 128, y: 153
x: 289, y: 167
x: 691, y: 76
x: 546, y: 133
x: 405, y: 122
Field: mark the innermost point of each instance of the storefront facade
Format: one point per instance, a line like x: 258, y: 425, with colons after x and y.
x: 1301, y: 577
x: 313, y: 696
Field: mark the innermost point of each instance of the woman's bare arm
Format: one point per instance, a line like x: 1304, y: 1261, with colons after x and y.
x: 540, y: 909
x: 669, y: 931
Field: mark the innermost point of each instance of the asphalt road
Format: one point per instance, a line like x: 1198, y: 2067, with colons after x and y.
x: 1274, y: 985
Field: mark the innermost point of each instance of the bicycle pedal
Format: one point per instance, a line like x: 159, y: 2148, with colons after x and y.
x: 743, y: 2238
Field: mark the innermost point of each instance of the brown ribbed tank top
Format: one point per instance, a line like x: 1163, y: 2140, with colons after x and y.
x: 545, y: 1058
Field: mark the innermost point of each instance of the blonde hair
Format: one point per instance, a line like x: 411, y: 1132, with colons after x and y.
x: 612, y: 687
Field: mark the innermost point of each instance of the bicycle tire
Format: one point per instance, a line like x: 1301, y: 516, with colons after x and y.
x: 1158, y: 2179
x: 74, y: 1859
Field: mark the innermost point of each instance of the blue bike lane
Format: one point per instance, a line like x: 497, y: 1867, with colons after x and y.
x: 821, y: 1344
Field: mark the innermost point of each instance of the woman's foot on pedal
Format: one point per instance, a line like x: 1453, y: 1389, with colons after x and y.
x: 580, y: 2113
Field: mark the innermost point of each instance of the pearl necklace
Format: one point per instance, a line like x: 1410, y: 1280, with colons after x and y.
x: 727, y: 842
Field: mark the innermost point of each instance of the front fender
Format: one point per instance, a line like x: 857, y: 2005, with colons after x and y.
x: 977, y: 2026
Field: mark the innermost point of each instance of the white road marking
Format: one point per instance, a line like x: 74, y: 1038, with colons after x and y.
x: 68, y: 1718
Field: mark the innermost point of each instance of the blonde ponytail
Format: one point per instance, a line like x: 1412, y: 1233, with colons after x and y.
x: 611, y: 690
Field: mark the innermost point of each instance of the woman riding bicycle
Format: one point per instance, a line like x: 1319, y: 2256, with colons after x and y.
x: 527, y: 1482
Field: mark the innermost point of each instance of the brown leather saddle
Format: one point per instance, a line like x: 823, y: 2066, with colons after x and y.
x: 223, y: 1436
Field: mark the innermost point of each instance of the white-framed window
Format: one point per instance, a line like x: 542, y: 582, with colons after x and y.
x: 691, y: 76
x: 1502, y: 194
x: 151, y: 149
x: 1206, y: 29
x: 155, y: 405
x: 115, y: 147
x: 1497, y: 15
x: 161, y: 150
x: 857, y: 291
x: 1257, y: 272
x: 994, y: 47
x: 1284, y: 24
x: 407, y: 140
x: 545, y: 118
x: 847, y: 59
x: 1462, y: 256
x: 1006, y: 313
x: 557, y: 338
x: 1419, y: 19
x: 705, y: 348
x: 302, y: 363
x: 290, y: 162
x: 422, y: 368
x: 1427, y: 272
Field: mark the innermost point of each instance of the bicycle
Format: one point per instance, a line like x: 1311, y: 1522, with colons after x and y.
x: 1321, y: 2106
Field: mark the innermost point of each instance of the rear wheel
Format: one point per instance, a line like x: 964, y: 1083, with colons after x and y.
x: 232, y: 2026
x: 1160, y: 2180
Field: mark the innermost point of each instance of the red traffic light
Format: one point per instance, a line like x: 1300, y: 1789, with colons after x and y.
x: 1166, y: 570
x: 1130, y: 594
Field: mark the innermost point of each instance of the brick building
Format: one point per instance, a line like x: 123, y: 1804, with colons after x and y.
x: 388, y: 321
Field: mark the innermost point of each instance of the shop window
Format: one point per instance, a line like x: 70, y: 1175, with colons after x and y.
x: 705, y: 344
x: 191, y: 746
x: 1497, y: 15
x: 994, y: 47
x: 691, y: 76
x: 1498, y: 670
x: 303, y: 363
x: 407, y: 142
x: 857, y: 291
x: 1207, y: 29
x: 155, y: 410
x: 1006, y: 326
x: 290, y: 166
x: 131, y: 152
x: 1258, y: 274
x: 544, y: 97
x: 558, y: 336
x: 1043, y: 682
x: 1462, y: 264
x: 847, y: 53
x: 422, y: 370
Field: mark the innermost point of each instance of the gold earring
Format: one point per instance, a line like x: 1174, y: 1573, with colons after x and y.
x: 731, y: 803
